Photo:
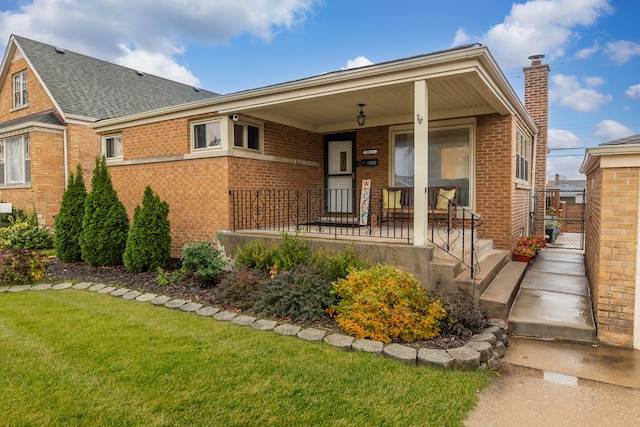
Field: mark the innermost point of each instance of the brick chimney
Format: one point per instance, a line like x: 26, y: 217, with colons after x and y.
x: 536, y: 101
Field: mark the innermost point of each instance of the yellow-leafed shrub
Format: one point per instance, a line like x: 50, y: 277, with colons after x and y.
x: 385, y: 304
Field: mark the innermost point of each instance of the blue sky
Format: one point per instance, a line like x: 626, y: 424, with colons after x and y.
x: 592, y: 46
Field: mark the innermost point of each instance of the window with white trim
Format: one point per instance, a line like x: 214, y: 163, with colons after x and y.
x: 523, y: 156
x: 246, y: 135
x: 20, y: 92
x: 112, y: 146
x: 206, y: 135
x: 15, y: 160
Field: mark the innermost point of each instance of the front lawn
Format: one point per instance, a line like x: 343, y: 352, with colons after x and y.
x: 80, y: 358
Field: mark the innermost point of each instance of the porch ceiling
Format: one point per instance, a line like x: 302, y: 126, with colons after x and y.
x: 459, y: 96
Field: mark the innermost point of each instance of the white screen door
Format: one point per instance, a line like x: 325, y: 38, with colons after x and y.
x: 340, y: 176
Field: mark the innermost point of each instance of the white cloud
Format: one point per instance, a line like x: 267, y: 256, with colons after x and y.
x: 566, y: 166
x: 540, y: 26
x: 460, y: 38
x: 593, y: 81
x: 360, y: 61
x: 153, y: 31
x: 568, y: 92
x: 560, y: 138
x: 621, y: 51
x: 587, y: 52
x: 633, y: 92
x: 610, y: 130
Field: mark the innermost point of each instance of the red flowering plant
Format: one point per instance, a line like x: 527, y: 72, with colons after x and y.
x: 524, y: 250
x: 535, y: 243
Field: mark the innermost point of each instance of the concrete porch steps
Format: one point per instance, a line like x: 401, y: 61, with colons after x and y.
x: 498, y: 298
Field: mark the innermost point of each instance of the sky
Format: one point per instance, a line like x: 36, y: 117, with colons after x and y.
x: 592, y: 47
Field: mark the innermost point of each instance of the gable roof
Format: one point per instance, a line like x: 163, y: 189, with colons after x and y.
x: 633, y: 139
x: 95, y: 89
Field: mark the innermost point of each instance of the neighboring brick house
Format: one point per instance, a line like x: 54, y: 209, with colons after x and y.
x: 48, y: 97
x: 612, y: 233
x: 454, y: 107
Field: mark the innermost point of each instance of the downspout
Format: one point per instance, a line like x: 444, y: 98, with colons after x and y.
x: 65, y: 148
x: 532, y: 190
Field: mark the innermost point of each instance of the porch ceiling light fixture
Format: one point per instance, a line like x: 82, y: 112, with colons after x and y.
x: 361, y: 117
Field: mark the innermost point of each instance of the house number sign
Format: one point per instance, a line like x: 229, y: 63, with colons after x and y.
x: 370, y: 162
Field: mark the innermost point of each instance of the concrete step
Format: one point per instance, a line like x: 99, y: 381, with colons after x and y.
x: 490, y: 265
x: 498, y: 298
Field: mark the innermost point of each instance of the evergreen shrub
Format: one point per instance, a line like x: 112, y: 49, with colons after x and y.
x: 68, y: 223
x: 149, y: 243
x: 105, y: 223
x: 202, y: 259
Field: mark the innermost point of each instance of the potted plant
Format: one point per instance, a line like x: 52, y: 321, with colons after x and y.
x: 523, y: 253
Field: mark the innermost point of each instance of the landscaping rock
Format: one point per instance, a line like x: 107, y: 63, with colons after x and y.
x: 175, y: 303
x: 368, y: 346
x: 243, y: 320
x: 97, y: 287
x: 225, y: 315
x: 19, y: 288
x: 207, y: 311
x: 61, y: 286
x: 107, y: 290
x: 499, y: 323
x: 3, y: 289
x: 465, y: 358
x: 311, y: 334
x: 401, y: 352
x: 131, y: 295
x: 433, y: 357
x: 484, y: 348
x: 493, y: 364
x: 146, y: 297
x: 264, y: 325
x: 499, y: 348
x: 119, y: 292
x: 191, y: 306
x: 493, y: 330
x: 42, y: 287
x: 340, y: 341
x: 287, y: 329
x: 161, y: 300
x: 490, y: 338
x: 82, y: 285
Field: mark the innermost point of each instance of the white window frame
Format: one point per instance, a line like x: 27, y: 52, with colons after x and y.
x: 212, y: 145
x: 523, y: 157
x: 25, y: 164
x: 245, y: 132
x: 441, y: 125
x: 103, y: 146
x: 20, y: 90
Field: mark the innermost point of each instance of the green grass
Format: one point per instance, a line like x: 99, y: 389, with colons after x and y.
x: 81, y: 358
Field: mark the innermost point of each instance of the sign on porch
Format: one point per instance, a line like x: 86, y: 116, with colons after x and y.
x: 365, y: 195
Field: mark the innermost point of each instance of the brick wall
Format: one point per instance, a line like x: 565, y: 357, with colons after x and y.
x: 38, y: 98
x: 612, y: 222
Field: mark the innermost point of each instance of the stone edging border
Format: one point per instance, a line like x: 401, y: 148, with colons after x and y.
x: 483, y: 351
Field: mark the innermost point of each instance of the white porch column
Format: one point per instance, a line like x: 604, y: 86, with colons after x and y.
x: 420, y: 162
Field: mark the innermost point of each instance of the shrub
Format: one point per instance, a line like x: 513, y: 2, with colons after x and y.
x: 384, y: 304
x: 242, y: 287
x: 68, y: 223
x: 338, y: 266
x: 20, y: 266
x: 203, y: 260
x: 301, y: 294
x: 292, y: 251
x: 105, y: 223
x: 149, y: 242
x: 254, y: 255
x: 165, y: 278
x: 464, y: 318
x: 25, y: 233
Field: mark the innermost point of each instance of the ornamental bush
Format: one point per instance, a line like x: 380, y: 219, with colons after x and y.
x: 385, y: 304
x: 337, y: 266
x: 464, y: 318
x: 20, y: 266
x: 254, y: 255
x: 105, y: 223
x: 25, y: 233
x: 202, y: 259
x: 149, y: 242
x: 68, y: 223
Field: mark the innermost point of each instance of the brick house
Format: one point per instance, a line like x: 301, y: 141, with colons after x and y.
x: 611, y: 238
x: 298, y: 152
x: 48, y: 98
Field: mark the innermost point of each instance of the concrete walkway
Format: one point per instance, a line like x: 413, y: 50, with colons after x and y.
x: 554, y: 299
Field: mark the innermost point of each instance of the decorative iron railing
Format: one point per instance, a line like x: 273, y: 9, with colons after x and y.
x: 382, y: 213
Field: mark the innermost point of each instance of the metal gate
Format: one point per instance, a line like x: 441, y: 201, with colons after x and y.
x: 558, y: 214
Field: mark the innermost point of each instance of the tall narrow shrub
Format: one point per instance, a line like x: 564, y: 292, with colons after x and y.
x: 69, y: 220
x: 105, y: 223
x: 149, y: 242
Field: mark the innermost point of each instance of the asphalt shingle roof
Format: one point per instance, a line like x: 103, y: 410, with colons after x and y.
x: 86, y: 86
x: 633, y: 139
x: 47, y: 117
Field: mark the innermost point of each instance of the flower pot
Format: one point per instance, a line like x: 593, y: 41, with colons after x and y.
x: 522, y: 258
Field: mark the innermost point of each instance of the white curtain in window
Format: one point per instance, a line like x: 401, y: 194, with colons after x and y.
x: 15, y: 160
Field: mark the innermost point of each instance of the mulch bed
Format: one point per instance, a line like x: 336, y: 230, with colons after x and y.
x: 190, y: 289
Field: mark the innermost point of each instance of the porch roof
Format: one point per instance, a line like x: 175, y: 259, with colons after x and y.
x: 462, y: 82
